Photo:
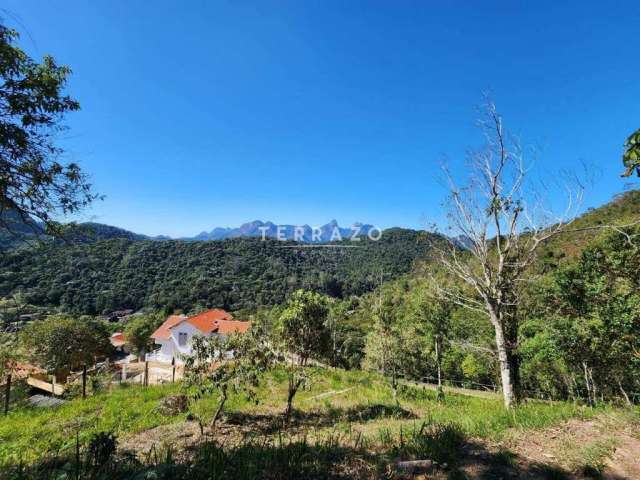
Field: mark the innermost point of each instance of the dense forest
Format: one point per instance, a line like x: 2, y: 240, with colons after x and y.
x: 92, y: 277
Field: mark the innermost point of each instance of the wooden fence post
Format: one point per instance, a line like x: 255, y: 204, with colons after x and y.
x: 84, y: 381
x: 123, y: 377
x: 7, y: 394
x: 173, y: 370
x: 146, y: 373
x: 53, y: 385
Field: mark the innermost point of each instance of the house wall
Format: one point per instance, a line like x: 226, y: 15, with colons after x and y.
x: 171, y: 348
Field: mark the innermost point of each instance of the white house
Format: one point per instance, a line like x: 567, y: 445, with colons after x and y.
x: 175, y: 334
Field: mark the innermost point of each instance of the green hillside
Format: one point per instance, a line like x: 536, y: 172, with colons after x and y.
x: 90, y: 278
x: 623, y: 209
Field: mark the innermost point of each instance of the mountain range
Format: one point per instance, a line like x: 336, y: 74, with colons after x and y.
x: 92, y: 231
x: 304, y: 233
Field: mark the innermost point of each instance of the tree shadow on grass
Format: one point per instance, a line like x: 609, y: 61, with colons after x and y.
x: 272, y: 423
x: 476, y: 462
x: 286, y: 458
x: 280, y: 459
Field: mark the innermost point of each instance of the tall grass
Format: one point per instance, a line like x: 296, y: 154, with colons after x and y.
x: 363, y: 416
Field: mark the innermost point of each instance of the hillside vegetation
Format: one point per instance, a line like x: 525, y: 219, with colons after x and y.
x: 243, y: 273
x: 623, y: 209
x: 345, y: 427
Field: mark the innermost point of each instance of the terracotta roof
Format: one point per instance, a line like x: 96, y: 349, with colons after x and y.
x: 231, y: 326
x: 207, y: 322
x: 117, y: 339
x: 163, y: 332
x: 216, y: 320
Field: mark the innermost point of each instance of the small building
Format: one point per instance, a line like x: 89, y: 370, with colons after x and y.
x: 174, y: 336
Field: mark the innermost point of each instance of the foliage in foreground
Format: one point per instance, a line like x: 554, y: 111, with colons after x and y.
x: 35, y: 182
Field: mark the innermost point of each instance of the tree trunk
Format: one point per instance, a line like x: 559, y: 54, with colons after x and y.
x: 506, y: 366
x: 624, y: 394
x: 293, y: 389
x: 220, y: 409
x: 440, y: 395
x: 590, y: 397
x: 7, y: 395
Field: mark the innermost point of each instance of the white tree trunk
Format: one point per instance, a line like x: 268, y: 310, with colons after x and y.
x: 508, y: 389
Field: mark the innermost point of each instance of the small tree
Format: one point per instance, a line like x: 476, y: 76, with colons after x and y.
x: 228, y: 365
x: 385, y: 352
x: 62, y: 343
x: 304, y: 333
x: 138, y: 331
x: 434, y: 314
x: 385, y: 347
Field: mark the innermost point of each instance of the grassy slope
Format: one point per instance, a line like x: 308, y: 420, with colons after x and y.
x: 366, y: 410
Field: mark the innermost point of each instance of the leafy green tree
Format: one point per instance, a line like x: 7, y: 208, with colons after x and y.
x: 138, y: 331
x: 599, y: 314
x: 347, y: 336
x: 631, y: 155
x: 396, y: 344
x: 62, y: 343
x: 303, y: 334
x: 34, y: 181
x: 434, y: 314
x: 226, y: 365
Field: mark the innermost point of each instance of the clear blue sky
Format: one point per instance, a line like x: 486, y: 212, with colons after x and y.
x: 198, y: 114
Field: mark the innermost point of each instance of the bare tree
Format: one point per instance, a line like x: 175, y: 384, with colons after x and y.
x: 501, y: 219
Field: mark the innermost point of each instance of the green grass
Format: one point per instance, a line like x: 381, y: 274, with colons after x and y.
x: 28, y: 432
x: 363, y: 415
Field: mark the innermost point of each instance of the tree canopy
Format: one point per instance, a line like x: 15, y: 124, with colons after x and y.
x: 62, y: 343
x: 631, y: 155
x: 35, y: 182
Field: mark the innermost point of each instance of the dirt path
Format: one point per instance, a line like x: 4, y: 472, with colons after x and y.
x: 607, y: 445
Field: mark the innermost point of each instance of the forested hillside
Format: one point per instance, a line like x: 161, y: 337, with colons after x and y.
x: 623, y: 209
x: 579, y: 318
x: 90, y: 278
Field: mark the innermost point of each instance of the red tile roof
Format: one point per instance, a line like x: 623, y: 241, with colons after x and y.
x: 163, y: 332
x: 216, y: 320
x: 117, y: 339
x: 207, y: 322
x: 233, y: 326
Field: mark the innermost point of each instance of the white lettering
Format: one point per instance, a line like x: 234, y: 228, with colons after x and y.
x: 375, y: 238
x: 356, y: 232
x: 335, y: 235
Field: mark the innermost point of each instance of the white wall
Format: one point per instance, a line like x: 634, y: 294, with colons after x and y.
x: 171, y: 348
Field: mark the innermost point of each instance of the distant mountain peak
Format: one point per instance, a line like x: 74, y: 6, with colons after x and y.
x: 257, y: 228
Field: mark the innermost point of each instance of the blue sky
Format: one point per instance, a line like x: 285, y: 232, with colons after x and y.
x: 213, y: 113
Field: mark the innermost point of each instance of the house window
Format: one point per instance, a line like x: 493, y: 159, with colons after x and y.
x: 182, y: 339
